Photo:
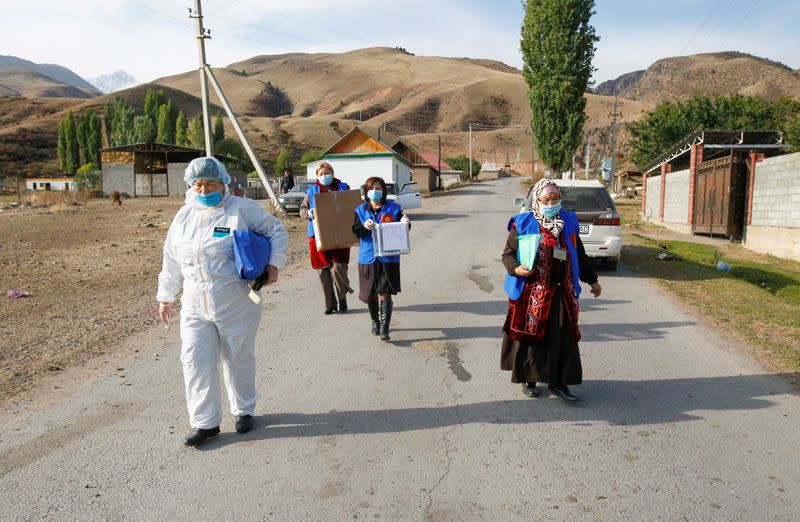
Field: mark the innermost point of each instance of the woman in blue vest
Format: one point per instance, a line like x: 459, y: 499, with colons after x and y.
x: 540, y: 334
x: 331, y: 265
x: 378, y: 277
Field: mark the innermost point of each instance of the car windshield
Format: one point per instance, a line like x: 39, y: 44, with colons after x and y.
x: 410, y: 188
x: 301, y: 186
x: 390, y: 189
x: 586, y: 199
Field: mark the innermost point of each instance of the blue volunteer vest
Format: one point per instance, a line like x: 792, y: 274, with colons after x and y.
x: 389, y: 213
x: 527, y: 224
x: 314, y: 190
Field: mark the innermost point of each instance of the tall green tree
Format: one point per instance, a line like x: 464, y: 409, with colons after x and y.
x: 311, y: 155
x: 230, y: 147
x: 82, y: 123
x: 122, y: 125
x: 166, y: 124
x: 182, y: 130
x: 558, y: 45
x: 282, y: 161
x: 108, y: 118
x: 62, y: 145
x: 197, y: 137
x: 70, y: 151
x: 219, y: 128
x: 143, y: 130
x: 94, y: 139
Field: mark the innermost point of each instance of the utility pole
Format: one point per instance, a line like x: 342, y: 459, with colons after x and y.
x: 201, y: 36
x: 613, y: 131
x: 588, y: 156
x: 469, y: 174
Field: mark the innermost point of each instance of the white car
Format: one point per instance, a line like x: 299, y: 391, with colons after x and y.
x: 408, y: 198
x: 598, y: 219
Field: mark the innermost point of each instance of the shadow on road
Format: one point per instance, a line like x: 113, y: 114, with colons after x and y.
x: 474, y: 307
x: 436, y: 217
x: 628, y: 331
x: 632, y: 403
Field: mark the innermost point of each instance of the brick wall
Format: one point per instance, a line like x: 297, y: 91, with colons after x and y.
x: 676, y: 197
x: 776, y: 192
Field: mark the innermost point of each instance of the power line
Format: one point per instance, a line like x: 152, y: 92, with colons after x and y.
x: 739, y: 23
x: 700, y: 27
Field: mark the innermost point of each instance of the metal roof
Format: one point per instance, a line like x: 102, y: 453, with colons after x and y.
x: 716, y: 142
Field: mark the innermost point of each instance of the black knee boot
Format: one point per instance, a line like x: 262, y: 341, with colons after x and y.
x: 385, y: 309
x: 372, y: 304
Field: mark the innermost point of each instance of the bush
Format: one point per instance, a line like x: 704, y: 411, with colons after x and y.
x: 88, y: 177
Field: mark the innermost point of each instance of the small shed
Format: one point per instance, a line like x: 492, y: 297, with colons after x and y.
x: 425, y: 171
x: 51, y: 184
x: 156, y: 169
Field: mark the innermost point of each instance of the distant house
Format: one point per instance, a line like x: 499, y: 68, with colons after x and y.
x: 51, y: 184
x: 358, y: 156
x: 156, y: 169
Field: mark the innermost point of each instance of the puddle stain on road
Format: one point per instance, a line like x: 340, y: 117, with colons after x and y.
x: 483, y: 282
x: 450, y: 352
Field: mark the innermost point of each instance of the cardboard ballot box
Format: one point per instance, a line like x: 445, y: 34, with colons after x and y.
x: 391, y: 239
x: 333, y: 219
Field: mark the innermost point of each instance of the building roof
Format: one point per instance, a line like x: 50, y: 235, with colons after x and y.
x: 357, y: 143
x: 165, y: 147
x: 717, y: 142
x: 39, y: 180
x: 432, y: 159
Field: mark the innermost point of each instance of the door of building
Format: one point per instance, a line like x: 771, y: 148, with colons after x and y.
x: 719, y: 197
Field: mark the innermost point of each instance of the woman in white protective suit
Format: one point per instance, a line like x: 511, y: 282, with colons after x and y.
x: 218, y: 318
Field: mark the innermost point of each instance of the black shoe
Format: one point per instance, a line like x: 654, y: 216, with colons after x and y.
x: 530, y: 390
x: 342, y: 306
x: 331, y: 310
x: 373, y: 313
x: 244, y: 423
x: 199, y: 435
x: 563, y: 393
x: 385, y: 316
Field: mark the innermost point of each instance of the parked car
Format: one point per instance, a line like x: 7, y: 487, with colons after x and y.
x: 409, y: 197
x: 598, y: 219
x: 291, y: 200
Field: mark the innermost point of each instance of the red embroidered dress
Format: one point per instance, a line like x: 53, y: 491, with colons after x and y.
x: 527, y: 316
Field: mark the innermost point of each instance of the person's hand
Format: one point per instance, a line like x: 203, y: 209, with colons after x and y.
x: 163, y: 312
x: 522, y: 271
x: 369, y: 224
x: 404, y: 219
x: 272, y: 275
x: 311, y: 213
x: 596, y: 289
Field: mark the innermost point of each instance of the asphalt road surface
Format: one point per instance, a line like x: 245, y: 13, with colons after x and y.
x: 674, y: 422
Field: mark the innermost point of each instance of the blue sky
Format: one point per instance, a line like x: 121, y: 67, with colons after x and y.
x: 152, y: 38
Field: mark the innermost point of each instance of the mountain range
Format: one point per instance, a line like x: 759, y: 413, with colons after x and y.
x: 48, y: 80
x: 115, y: 81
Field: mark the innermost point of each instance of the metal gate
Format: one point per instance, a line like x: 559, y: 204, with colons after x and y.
x: 719, y: 197
x: 151, y: 185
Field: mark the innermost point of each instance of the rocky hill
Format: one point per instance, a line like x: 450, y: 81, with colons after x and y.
x: 63, y: 82
x: 724, y: 73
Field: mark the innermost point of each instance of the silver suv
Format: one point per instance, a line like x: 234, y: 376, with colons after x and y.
x: 598, y: 219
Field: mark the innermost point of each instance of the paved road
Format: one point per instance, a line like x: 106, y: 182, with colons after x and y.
x: 674, y: 424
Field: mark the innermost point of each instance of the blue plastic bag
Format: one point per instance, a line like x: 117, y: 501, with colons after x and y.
x: 252, y: 252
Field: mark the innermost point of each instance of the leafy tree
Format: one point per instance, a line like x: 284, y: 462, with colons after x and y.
x: 82, y: 123
x: 143, y: 130
x: 219, y: 128
x: 181, y: 130
x: 88, y: 177
x: 122, y: 124
x: 196, y: 133
x: 282, y: 161
x: 62, y: 146
x: 150, y: 106
x: 462, y: 163
x: 311, y: 155
x: 230, y: 147
x: 71, y: 160
x: 166, y: 124
x: 670, y: 121
x: 558, y: 45
x: 94, y: 139
x: 108, y: 118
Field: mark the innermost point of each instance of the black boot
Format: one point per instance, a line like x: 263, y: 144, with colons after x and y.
x: 342, y: 305
x: 385, y: 309
x: 199, y: 435
x: 244, y: 423
x: 372, y: 304
x: 563, y: 393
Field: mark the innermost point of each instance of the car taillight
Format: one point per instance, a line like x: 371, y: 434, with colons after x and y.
x: 609, y: 219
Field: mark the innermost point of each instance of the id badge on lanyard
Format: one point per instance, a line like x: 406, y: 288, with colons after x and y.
x: 560, y: 253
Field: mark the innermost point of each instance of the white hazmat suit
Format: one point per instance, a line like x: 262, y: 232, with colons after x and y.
x: 218, y: 319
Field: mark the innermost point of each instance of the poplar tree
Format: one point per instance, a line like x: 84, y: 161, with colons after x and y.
x: 558, y: 44
x: 71, y: 149
x: 62, y: 146
x: 181, y: 130
x: 143, y: 130
x: 166, y: 125
x: 83, y: 135
x: 197, y: 132
x: 219, y: 128
x: 94, y: 140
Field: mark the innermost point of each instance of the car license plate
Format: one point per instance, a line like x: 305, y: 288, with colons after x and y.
x: 583, y: 229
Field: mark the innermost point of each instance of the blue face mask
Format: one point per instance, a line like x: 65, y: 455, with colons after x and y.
x: 326, y: 179
x: 211, y: 199
x: 550, y: 210
x: 375, y: 195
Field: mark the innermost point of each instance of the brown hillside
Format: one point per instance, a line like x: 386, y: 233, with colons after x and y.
x: 725, y: 73
x: 30, y: 84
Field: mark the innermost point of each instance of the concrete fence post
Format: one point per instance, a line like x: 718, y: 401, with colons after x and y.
x: 695, y: 159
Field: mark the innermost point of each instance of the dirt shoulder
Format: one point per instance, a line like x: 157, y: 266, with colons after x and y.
x: 91, y: 271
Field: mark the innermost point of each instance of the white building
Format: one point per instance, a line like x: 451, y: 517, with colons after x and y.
x: 51, y: 184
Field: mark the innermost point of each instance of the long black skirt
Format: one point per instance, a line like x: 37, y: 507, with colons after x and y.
x: 378, y: 278
x: 556, y: 360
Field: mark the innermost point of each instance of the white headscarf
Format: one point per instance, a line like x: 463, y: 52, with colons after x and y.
x: 553, y: 224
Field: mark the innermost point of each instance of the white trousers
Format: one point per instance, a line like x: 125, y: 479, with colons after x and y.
x: 206, y: 343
